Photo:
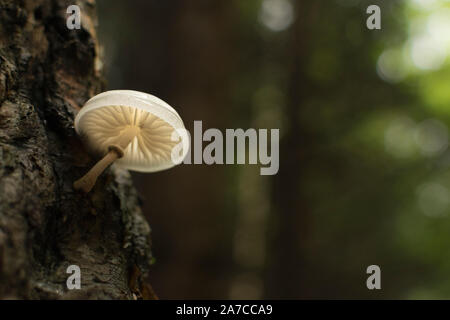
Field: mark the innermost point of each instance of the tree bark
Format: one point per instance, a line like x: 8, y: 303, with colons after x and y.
x: 47, y: 72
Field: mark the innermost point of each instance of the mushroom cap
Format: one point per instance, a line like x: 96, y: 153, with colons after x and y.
x: 105, y: 116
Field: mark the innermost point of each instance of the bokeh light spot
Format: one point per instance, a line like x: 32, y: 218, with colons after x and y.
x: 276, y: 15
x: 433, y: 199
x: 398, y: 137
x: 431, y: 137
x: 390, y: 66
x: 427, y: 53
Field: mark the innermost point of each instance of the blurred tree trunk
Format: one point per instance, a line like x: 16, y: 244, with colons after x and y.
x: 287, y: 271
x: 191, y: 70
x: 46, y: 73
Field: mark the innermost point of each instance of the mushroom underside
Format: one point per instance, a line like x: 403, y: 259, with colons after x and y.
x: 151, y: 145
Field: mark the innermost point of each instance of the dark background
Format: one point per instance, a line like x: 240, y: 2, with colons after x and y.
x: 364, y: 162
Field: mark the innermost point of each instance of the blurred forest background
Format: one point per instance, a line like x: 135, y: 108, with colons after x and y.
x: 364, y: 161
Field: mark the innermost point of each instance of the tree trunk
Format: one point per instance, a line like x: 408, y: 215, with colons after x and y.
x: 47, y: 72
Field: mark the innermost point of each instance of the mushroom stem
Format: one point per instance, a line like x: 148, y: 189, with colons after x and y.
x: 87, y: 182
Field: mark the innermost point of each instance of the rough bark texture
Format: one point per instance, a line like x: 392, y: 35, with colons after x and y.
x: 47, y: 72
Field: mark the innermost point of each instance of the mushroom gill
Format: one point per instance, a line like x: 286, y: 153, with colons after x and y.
x: 152, y: 142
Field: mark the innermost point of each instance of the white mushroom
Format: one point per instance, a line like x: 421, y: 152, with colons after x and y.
x: 136, y: 130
